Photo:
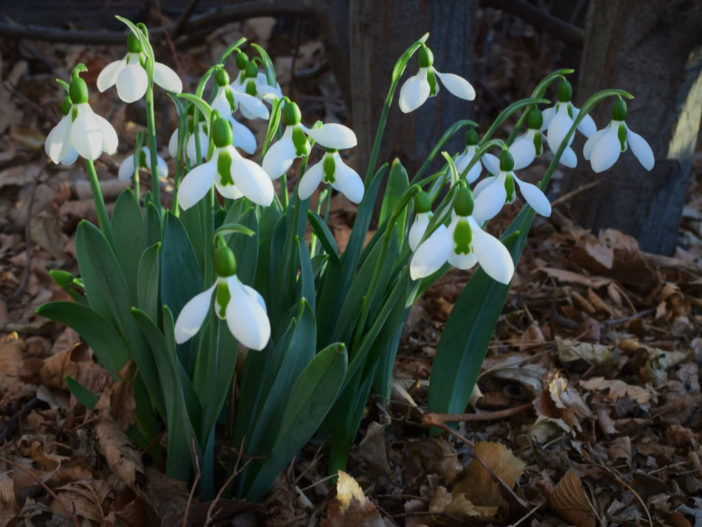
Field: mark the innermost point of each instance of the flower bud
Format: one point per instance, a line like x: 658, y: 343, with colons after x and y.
x: 535, y: 119
x: 221, y: 133
x: 506, y: 161
x: 565, y: 91
x: 78, y: 90
x: 463, y: 202
x: 224, y: 262
x: 619, y: 110
x: 472, y: 137
x: 291, y: 114
x: 133, y: 43
x: 422, y: 203
x: 241, y: 60
x: 221, y: 77
x: 426, y: 57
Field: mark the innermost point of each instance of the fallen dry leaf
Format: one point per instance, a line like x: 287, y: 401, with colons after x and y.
x: 350, y: 507
x: 121, y: 456
x: 372, y: 449
x: 570, y: 501
x: 8, y: 503
x: 598, y: 354
x: 618, y: 389
x: 571, y: 277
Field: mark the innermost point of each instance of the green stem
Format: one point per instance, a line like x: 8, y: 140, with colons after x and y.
x: 103, y: 219
x: 151, y: 127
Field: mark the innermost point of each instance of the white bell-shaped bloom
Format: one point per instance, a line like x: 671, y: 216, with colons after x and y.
x: 464, y: 158
x: 58, y: 145
x: 418, y: 229
x: 462, y: 244
x: 603, y: 148
x: 240, y: 305
x: 190, y: 144
x: 126, y: 168
x: 263, y: 90
x: 91, y: 134
x: 493, y: 192
x: 418, y: 88
x: 225, y: 103
x: 331, y: 169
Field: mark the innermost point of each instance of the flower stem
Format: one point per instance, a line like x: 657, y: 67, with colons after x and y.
x: 151, y: 126
x: 103, y: 219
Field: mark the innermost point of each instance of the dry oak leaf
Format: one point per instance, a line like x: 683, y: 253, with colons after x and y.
x: 351, y: 508
x: 121, y: 456
x: 8, y: 503
x: 570, y: 350
x: 618, y: 389
x: 570, y: 502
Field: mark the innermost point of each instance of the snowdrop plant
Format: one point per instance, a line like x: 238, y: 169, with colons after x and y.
x: 171, y: 300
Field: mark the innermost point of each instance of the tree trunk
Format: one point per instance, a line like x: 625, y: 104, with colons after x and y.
x: 379, y: 33
x: 653, y: 50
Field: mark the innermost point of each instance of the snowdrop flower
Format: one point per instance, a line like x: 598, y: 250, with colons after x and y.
x: 190, y: 145
x: 462, y: 244
x: 130, y: 76
x: 557, y: 121
x: 294, y: 143
x: 254, y: 82
x: 232, y: 175
x: 225, y: 102
x: 528, y: 145
x: 464, y: 158
x: 418, y: 88
x: 80, y: 131
x: 422, y: 204
x: 494, y: 191
x: 603, y: 148
x: 126, y: 169
x: 332, y: 170
x: 240, y: 305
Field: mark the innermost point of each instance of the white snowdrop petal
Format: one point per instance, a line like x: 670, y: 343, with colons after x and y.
x: 109, y: 135
x: 132, y: 82
x: 432, y: 254
x: 162, y: 167
x: 462, y: 261
x: 523, y: 151
x: 419, y: 227
x: 590, y: 143
x: 126, y: 168
x: 568, y: 158
x: 490, y: 200
x: 535, y: 197
x: 482, y: 185
x: 221, y: 103
x: 191, y: 146
x: 414, y: 92
x: 333, y: 135
x: 86, y: 133
x: 457, y: 85
x: 70, y: 157
x: 606, y: 151
x: 348, y: 182
x: 493, y: 256
x: 280, y: 156
x: 192, y: 315
x: 640, y: 148
x: 108, y: 75
x: 173, y: 144
x: 547, y: 116
x: 558, y: 129
x: 310, y: 180
x: 58, y: 142
x: 196, y: 183
x: 246, y: 318
x: 167, y: 78
x: 250, y: 106
x: 252, y: 181
x: 492, y: 163
x: 587, y: 126
x: 243, y: 137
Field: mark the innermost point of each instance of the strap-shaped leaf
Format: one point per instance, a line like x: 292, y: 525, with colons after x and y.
x: 148, y: 282
x: 126, y: 221
x: 81, y: 393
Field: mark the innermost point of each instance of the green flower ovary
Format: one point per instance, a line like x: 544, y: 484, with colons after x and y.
x: 462, y: 238
x: 133, y: 43
x: 78, y: 90
x: 224, y: 262
x: 221, y: 77
x: 221, y: 133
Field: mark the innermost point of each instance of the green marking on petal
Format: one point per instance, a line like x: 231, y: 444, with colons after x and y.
x: 251, y: 88
x: 74, y: 113
x: 509, y: 187
x: 142, y: 159
x: 302, y: 145
x: 621, y: 135
x: 538, y: 145
x: 462, y: 237
x: 329, y: 167
x: 569, y: 107
x: 230, y: 97
x: 431, y: 79
x: 224, y: 165
x: 222, y: 298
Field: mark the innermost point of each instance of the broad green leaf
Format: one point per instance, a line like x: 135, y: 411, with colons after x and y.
x: 148, y: 281
x: 307, y: 284
x: 126, y: 222
x: 326, y: 238
x: 66, y: 281
x: 397, y: 185
x: 81, y: 393
x: 151, y: 228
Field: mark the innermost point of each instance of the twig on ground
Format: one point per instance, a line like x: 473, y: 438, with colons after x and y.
x: 528, y: 514
x: 431, y: 418
x: 234, y: 474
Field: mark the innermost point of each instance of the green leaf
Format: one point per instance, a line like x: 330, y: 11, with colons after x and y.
x: 108, y: 344
x: 147, y: 281
x: 246, y: 248
x: 398, y: 183
x: 307, y: 285
x: 151, y: 228
x: 66, y: 281
x: 326, y: 238
x: 81, y: 393
x: 204, y: 108
x: 126, y: 221
x: 311, y: 397
x: 267, y: 64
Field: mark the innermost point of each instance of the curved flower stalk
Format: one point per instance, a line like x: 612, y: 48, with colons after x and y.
x: 130, y: 77
x: 557, y: 121
x: 126, y: 168
x: 464, y: 158
x: 232, y: 175
x: 493, y: 192
x: 418, y: 88
x: 226, y: 103
x: 294, y: 143
x: 462, y: 244
x: 80, y: 131
x: 240, y: 305
x: 422, y: 204
x: 603, y: 148
x: 254, y: 82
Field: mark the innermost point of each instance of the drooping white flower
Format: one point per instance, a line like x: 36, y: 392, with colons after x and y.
x: 80, y: 131
x: 130, y: 76
x: 464, y: 158
x: 603, y: 148
x: 294, y: 143
x: 529, y: 145
x: 493, y: 192
x: 418, y: 88
x: 331, y: 169
x: 126, y: 168
x: 240, y: 305
x: 226, y: 103
x: 422, y: 205
x: 558, y: 120
x: 254, y: 82
x: 462, y: 244
x: 232, y: 175
x: 190, y: 144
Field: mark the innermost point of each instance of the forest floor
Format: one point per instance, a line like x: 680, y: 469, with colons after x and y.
x: 588, y: 409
